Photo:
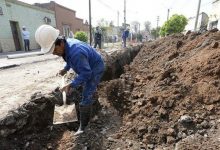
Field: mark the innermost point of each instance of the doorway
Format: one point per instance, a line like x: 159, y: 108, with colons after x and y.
x: 15, y: 33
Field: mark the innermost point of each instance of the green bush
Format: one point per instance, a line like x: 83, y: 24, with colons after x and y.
x: 175, y: 24
x: 82, y: 36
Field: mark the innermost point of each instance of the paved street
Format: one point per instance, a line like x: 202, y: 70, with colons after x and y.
x: 22, y: 77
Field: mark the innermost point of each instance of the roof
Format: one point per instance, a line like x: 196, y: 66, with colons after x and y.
x: 29, y: 5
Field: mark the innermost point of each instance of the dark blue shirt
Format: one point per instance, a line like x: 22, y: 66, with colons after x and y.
x: 82, y: 58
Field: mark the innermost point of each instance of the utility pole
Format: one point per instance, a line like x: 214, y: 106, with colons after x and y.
x: 125, y: 14
x: 158, y: 18
x: 90, y: 24
x: 118, y: 19
x: 197, y: 15
x: 168, y: 13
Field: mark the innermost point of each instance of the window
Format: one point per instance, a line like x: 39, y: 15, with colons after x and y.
x: 47, y: 20
x: 213, y: 24
x: 66, y: 30
x: 1, y: 12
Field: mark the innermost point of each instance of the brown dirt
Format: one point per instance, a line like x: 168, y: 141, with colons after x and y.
x: 171, y: 92
x: 168, y: 98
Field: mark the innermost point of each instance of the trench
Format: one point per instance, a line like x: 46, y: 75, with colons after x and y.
x: 37, y: 113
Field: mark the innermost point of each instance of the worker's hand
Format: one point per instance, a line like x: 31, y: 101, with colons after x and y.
x: 62, y: 72
x: 67, y: 88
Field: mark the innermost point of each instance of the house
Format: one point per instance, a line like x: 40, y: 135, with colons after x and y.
x: 214, y: 21
x: 66, y: 19
x: 15, y: 14
x: 203, y: 20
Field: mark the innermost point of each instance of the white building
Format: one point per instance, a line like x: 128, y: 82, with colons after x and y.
x: 15, y: 14
x: 202, y: 22
x: 214, y: 21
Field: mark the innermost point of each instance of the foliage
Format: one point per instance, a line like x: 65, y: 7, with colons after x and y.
x: 175, y: 24
x: 139, y: 37
x: 102, y: 23
x: 135, y: 25
x: 147, y: 26
x: 82, y: 36
x: 155, y: 32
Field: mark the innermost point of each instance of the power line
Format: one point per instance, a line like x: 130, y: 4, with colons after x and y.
x: 207, y: 3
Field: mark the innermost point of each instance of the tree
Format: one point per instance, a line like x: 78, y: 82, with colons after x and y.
x: 111, y: 24
x: 155, y: 32
x: 176, y: 24
x: 147, y: 26
x: 135, y: 25
x: 102, y: 23
x: 80, y: 35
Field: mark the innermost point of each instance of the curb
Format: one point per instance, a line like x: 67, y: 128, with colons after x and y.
x: 9, y: 66
x: 17, y: 65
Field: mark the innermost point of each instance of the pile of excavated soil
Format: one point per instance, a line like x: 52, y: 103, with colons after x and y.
x: 167, y: 98
x: 170, y: 95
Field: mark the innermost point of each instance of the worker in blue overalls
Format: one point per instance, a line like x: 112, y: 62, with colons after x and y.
x: 82, y: 58
x: 125, y: 35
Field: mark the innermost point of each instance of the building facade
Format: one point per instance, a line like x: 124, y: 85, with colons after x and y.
x: 66, y: 20
x: 15, y: 14
x: 202, y: 23
x: 214, y: 21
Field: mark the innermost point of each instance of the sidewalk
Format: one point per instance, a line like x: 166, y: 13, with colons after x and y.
x: 4, y: 54
x: 6, y: 63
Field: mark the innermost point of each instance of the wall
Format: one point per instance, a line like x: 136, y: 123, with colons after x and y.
x: 202, y: 20
x: 26, y: 15
x: 6, y: 38
x: 215, y: 14
x: 65, y: 17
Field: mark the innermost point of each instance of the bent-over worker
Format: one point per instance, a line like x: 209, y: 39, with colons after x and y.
x: 82, y: 58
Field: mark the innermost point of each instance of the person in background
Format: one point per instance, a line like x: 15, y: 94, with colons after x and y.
x: 26, y: 38
x: 98, y: 37
x: 125, y: 35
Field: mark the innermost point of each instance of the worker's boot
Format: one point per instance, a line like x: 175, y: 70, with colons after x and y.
x: 85, y: 113
x: 77, y: 111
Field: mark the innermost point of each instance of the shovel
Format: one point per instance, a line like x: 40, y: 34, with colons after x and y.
x: 65, y: 113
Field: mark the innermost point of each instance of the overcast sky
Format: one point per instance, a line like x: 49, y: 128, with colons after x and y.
x: 137, y: 10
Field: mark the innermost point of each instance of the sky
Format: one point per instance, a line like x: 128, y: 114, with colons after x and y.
x: 137, y: 10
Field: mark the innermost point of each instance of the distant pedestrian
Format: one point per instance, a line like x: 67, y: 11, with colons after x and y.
x: 26, y: 38
x: 125, y: 36
x: 98, y: 37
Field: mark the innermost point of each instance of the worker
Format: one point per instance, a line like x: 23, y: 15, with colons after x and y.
x: 125, y: 35
x: 82, y: 58
x: 98, y: 37
x: 26, y: 38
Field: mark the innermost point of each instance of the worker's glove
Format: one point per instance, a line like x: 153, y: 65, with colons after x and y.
x: 67, y: 88
x: 62, y: 72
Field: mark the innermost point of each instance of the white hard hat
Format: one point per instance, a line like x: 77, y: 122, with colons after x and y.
x: 45, y: 36
x: 23, y: 27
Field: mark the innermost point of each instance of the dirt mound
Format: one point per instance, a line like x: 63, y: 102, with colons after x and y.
x: 171, y: 90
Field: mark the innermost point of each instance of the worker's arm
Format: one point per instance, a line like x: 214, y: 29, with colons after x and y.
x: 83, y: 69
x: 64, y: 70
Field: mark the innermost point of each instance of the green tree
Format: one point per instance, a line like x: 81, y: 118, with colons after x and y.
x: 155, y: 32
x: 175, y: 24
x: 82, y: 36
x: 147, y: 26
